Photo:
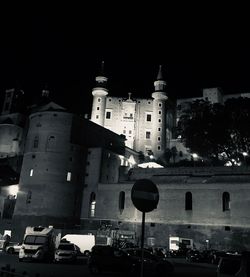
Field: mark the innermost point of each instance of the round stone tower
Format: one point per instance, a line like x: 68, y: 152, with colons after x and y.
x: 159, y: 116
x: 99, y: 93
x: 50, y: 187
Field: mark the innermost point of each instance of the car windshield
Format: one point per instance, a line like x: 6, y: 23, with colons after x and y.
x: 35, y: 239
x: 66, y: 247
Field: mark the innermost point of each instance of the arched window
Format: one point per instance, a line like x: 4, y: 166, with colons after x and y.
x: 188, y: 201
x: 35, y: 142
x: 51, y: 142
x: 92, y: 203
x: 121, y: 201
x: 225, y: 201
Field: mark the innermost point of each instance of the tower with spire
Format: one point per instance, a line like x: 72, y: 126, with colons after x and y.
x: 159, y: 114
x: 99, y: 93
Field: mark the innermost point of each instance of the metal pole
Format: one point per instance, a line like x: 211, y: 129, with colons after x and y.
x: 142, y: 242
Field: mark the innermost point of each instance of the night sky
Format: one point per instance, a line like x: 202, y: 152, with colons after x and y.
x: 63, y: 49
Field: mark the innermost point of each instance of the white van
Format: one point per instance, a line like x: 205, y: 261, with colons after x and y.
x: 84, y: 242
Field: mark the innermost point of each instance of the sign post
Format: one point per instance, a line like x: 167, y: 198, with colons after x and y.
x: 145, y: 197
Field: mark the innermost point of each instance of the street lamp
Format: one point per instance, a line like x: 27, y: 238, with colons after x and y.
x: 244, y: 155
x: 194, y: 156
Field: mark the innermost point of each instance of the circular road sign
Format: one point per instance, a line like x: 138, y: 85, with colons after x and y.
x: 145, y: 195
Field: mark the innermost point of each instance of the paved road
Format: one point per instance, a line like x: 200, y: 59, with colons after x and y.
x: 182, y: 268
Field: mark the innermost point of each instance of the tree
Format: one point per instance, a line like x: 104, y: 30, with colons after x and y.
x: 173, y: 153
x: 215, y: 130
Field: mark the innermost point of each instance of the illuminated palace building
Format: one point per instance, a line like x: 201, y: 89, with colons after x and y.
x: 57, y: 168
x: 144, y: 122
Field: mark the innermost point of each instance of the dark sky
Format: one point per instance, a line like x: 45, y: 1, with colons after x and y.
x: 63, y: 49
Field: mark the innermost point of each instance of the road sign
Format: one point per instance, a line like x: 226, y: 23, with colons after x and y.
x: 145, y: 195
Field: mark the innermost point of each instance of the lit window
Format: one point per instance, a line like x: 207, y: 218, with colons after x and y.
x: 31, y: 172
x: 92, y: 203
x: 69, y: 176
x: 108, y: 115
x: 225, y: 201
x: 148, y: 135
x: 188, y: 201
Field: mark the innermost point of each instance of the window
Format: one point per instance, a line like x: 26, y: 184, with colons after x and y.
x: 148, y: 117
x: 35, y: 143
x: 99, y: 99
x: 110, y: 99
x: 69, y: 176
x: 159, y: 129
x: 159, y: 138
x: 97, y: 116
x: 159, y: 148
x: 108, y: 115
x: 51, y: 142
x: 159, y: 104
x: 148, y: 135
x: 159, y: 112
x: 98, y: 108
x: 225, y: 201
x: 130, y: 132
x: 159, y: 120
x: 121, y: 201
x: 28, y: 199
x: 188, y: 201
x: 31, y: 172
x: 92, y: 203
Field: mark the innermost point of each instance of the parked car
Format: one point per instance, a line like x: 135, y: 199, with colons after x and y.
x: 13, y: 248
x: 105, y: 258
x: 194, y: 256
x: 66, y: 252
x: 152, y: 263
x: 237, y: 265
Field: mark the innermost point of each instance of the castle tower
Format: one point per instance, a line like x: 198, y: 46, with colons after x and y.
x: 99, y: 93
x: 12, y: 101
x: 50, y: 185
x: 159, y: 115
